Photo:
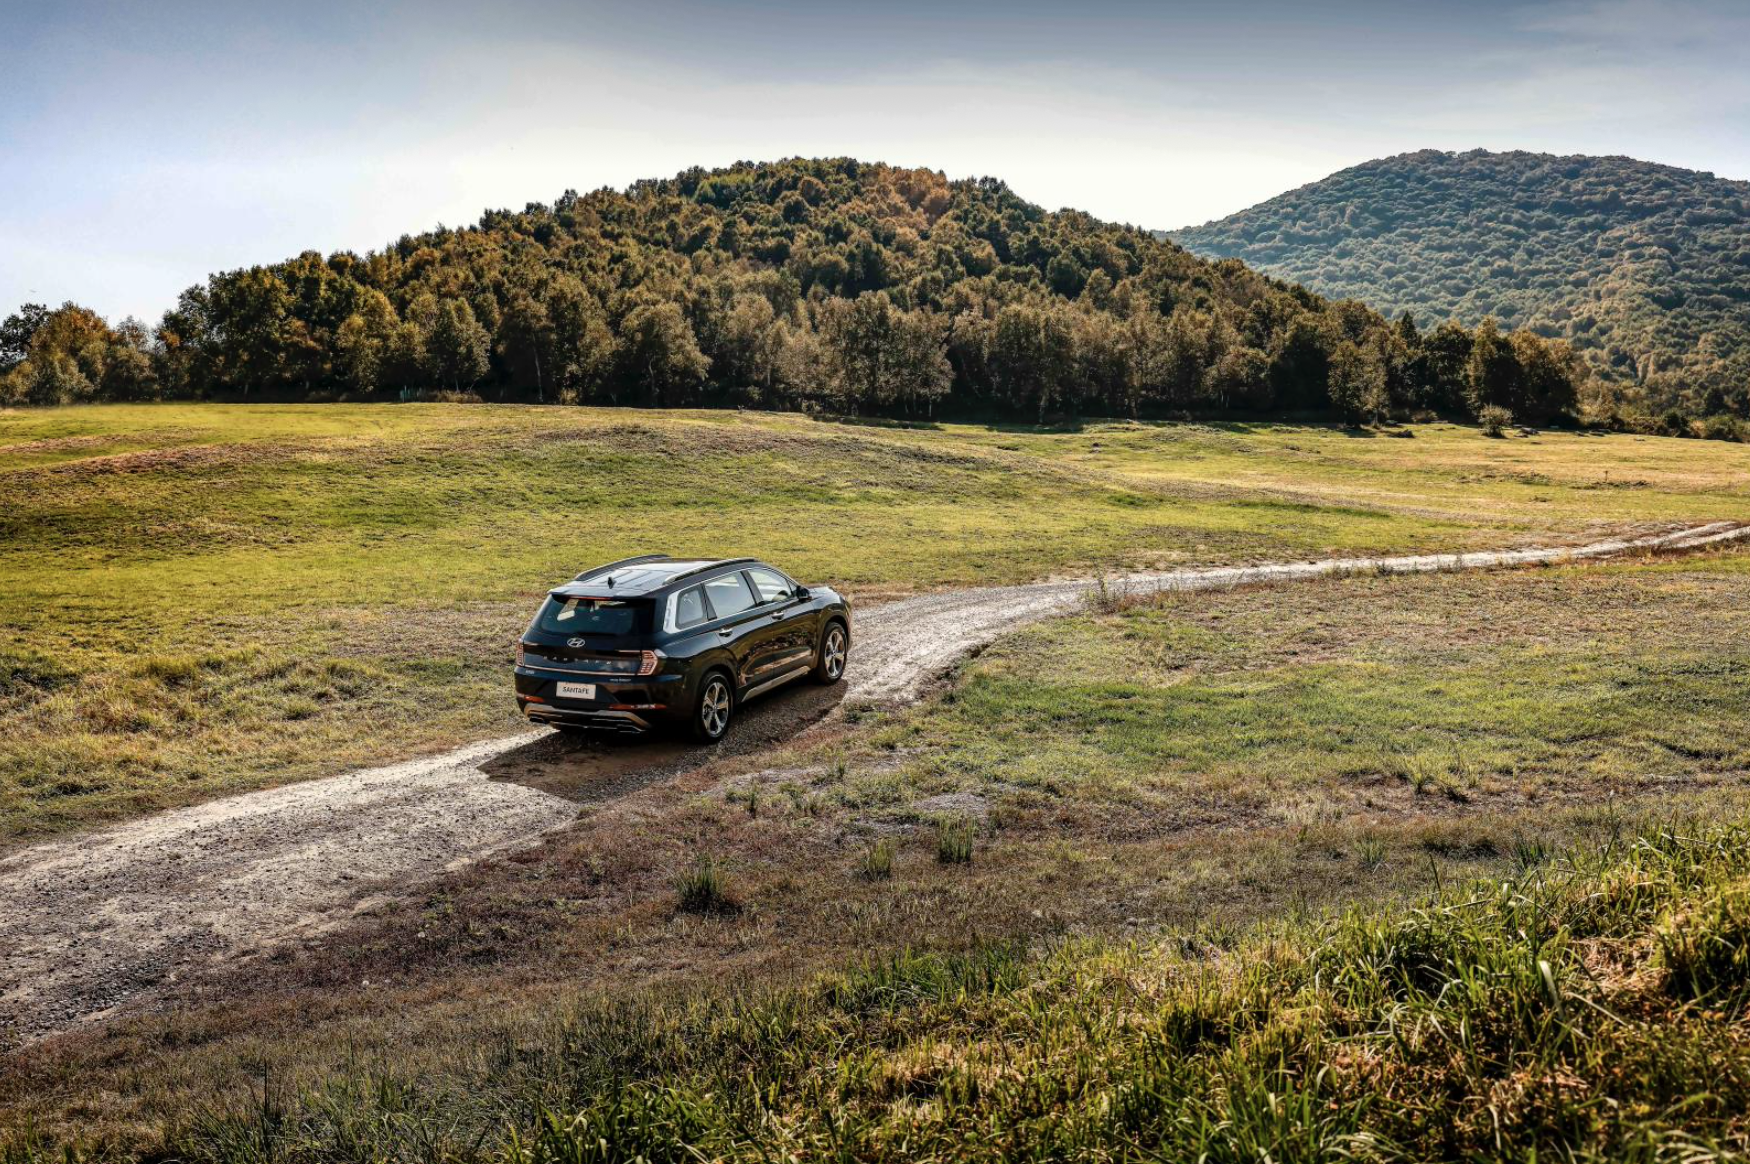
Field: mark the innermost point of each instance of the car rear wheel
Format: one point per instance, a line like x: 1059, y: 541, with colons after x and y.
x: 835, y: 650
x: 716, y: 708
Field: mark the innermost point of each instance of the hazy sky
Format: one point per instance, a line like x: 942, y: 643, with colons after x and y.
x: 143, y: 145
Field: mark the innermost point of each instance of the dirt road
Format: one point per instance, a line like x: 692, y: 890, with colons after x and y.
x: 90, y: 922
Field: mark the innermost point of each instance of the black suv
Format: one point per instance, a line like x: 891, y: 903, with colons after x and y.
x: 655, y: 640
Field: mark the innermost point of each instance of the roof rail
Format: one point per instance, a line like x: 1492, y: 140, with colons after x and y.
x: 612, y: 566
x: 720, y: 563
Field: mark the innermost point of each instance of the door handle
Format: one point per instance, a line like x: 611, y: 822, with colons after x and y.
x: 725, y: 632
x: 780, y: 614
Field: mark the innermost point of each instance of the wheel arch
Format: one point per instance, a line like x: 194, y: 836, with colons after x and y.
x: 718, y: 662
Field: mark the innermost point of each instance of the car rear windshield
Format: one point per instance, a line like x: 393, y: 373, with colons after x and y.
x: 564, y: 615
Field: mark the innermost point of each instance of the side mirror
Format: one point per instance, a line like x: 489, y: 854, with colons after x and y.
x: 799, y: 593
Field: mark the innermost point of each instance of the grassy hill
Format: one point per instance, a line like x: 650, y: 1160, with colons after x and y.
x: 1643, y: 268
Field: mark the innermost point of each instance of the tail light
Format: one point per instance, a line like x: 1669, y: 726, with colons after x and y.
x: 519, y: 652
x: 649, y: 661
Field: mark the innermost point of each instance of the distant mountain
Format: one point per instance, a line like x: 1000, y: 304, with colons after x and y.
x: 1644, y: 269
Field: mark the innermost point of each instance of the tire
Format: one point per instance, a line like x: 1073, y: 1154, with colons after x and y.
x: 714, y: 709
x: 835, y: 651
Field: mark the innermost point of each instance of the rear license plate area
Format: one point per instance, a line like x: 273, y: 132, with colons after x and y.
x: 575, y: 691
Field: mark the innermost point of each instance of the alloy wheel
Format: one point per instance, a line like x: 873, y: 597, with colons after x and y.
x: 833, y: 653
x: 714, y: 708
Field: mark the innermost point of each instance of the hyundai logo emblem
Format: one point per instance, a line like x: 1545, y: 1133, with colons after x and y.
x: 575, y: 642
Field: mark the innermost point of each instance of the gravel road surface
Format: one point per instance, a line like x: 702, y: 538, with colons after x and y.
x: 90, y: 922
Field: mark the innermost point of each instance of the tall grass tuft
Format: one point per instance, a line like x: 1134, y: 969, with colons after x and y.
x: 1107, y: 597
x: 1371, y: 852
x: 1530, y: 852
x: 1705, y: 947
x: 954, y: 841
x: 704, y: 888
x: 878, y: 860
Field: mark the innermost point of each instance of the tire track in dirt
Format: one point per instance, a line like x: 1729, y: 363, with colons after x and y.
x: 97, y: 919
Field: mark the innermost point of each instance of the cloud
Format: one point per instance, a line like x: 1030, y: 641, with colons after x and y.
x: 147, y: 147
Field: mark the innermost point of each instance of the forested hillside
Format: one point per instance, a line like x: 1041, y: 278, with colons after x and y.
x: 1643, y: 269
x: 827, y: 283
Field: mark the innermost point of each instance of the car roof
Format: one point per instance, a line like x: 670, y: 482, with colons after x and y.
x: 645, y: 577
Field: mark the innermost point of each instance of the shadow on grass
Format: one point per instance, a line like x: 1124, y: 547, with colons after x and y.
x: 878, y: 422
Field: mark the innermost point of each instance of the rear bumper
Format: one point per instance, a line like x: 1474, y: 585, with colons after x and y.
x: 607, y: 720
x: 621, y: 704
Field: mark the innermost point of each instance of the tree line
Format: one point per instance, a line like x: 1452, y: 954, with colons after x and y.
x: 828, y: 284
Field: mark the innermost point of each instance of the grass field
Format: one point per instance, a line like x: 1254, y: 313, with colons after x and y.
x: 1303, y: 704
x: 206, y: 598
x: 1588, y: 1007
x: 1399, y: 867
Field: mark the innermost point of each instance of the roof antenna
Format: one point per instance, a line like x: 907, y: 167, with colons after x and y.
x: 610, y: 581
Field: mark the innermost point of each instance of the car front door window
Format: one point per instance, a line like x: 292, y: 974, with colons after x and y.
x: 770, y: 585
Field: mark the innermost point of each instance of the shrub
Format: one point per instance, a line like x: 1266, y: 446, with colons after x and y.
x: 439, y: 396
x: 1721, y: 427
x: 1495, y: 420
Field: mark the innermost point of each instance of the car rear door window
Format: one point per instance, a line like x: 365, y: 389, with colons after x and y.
x: 770, y: 585
x: 729, y: 595
x: 689, y: 608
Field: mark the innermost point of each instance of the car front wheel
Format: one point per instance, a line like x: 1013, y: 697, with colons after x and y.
x: 835, y: 649
x: 716, y: 707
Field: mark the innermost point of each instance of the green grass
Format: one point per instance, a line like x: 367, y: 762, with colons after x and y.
x: 1315, y: 703
x: 206, y: 598
x: 1188, y: 784
x: 1225, y: 897
x: 1591, y: 1007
